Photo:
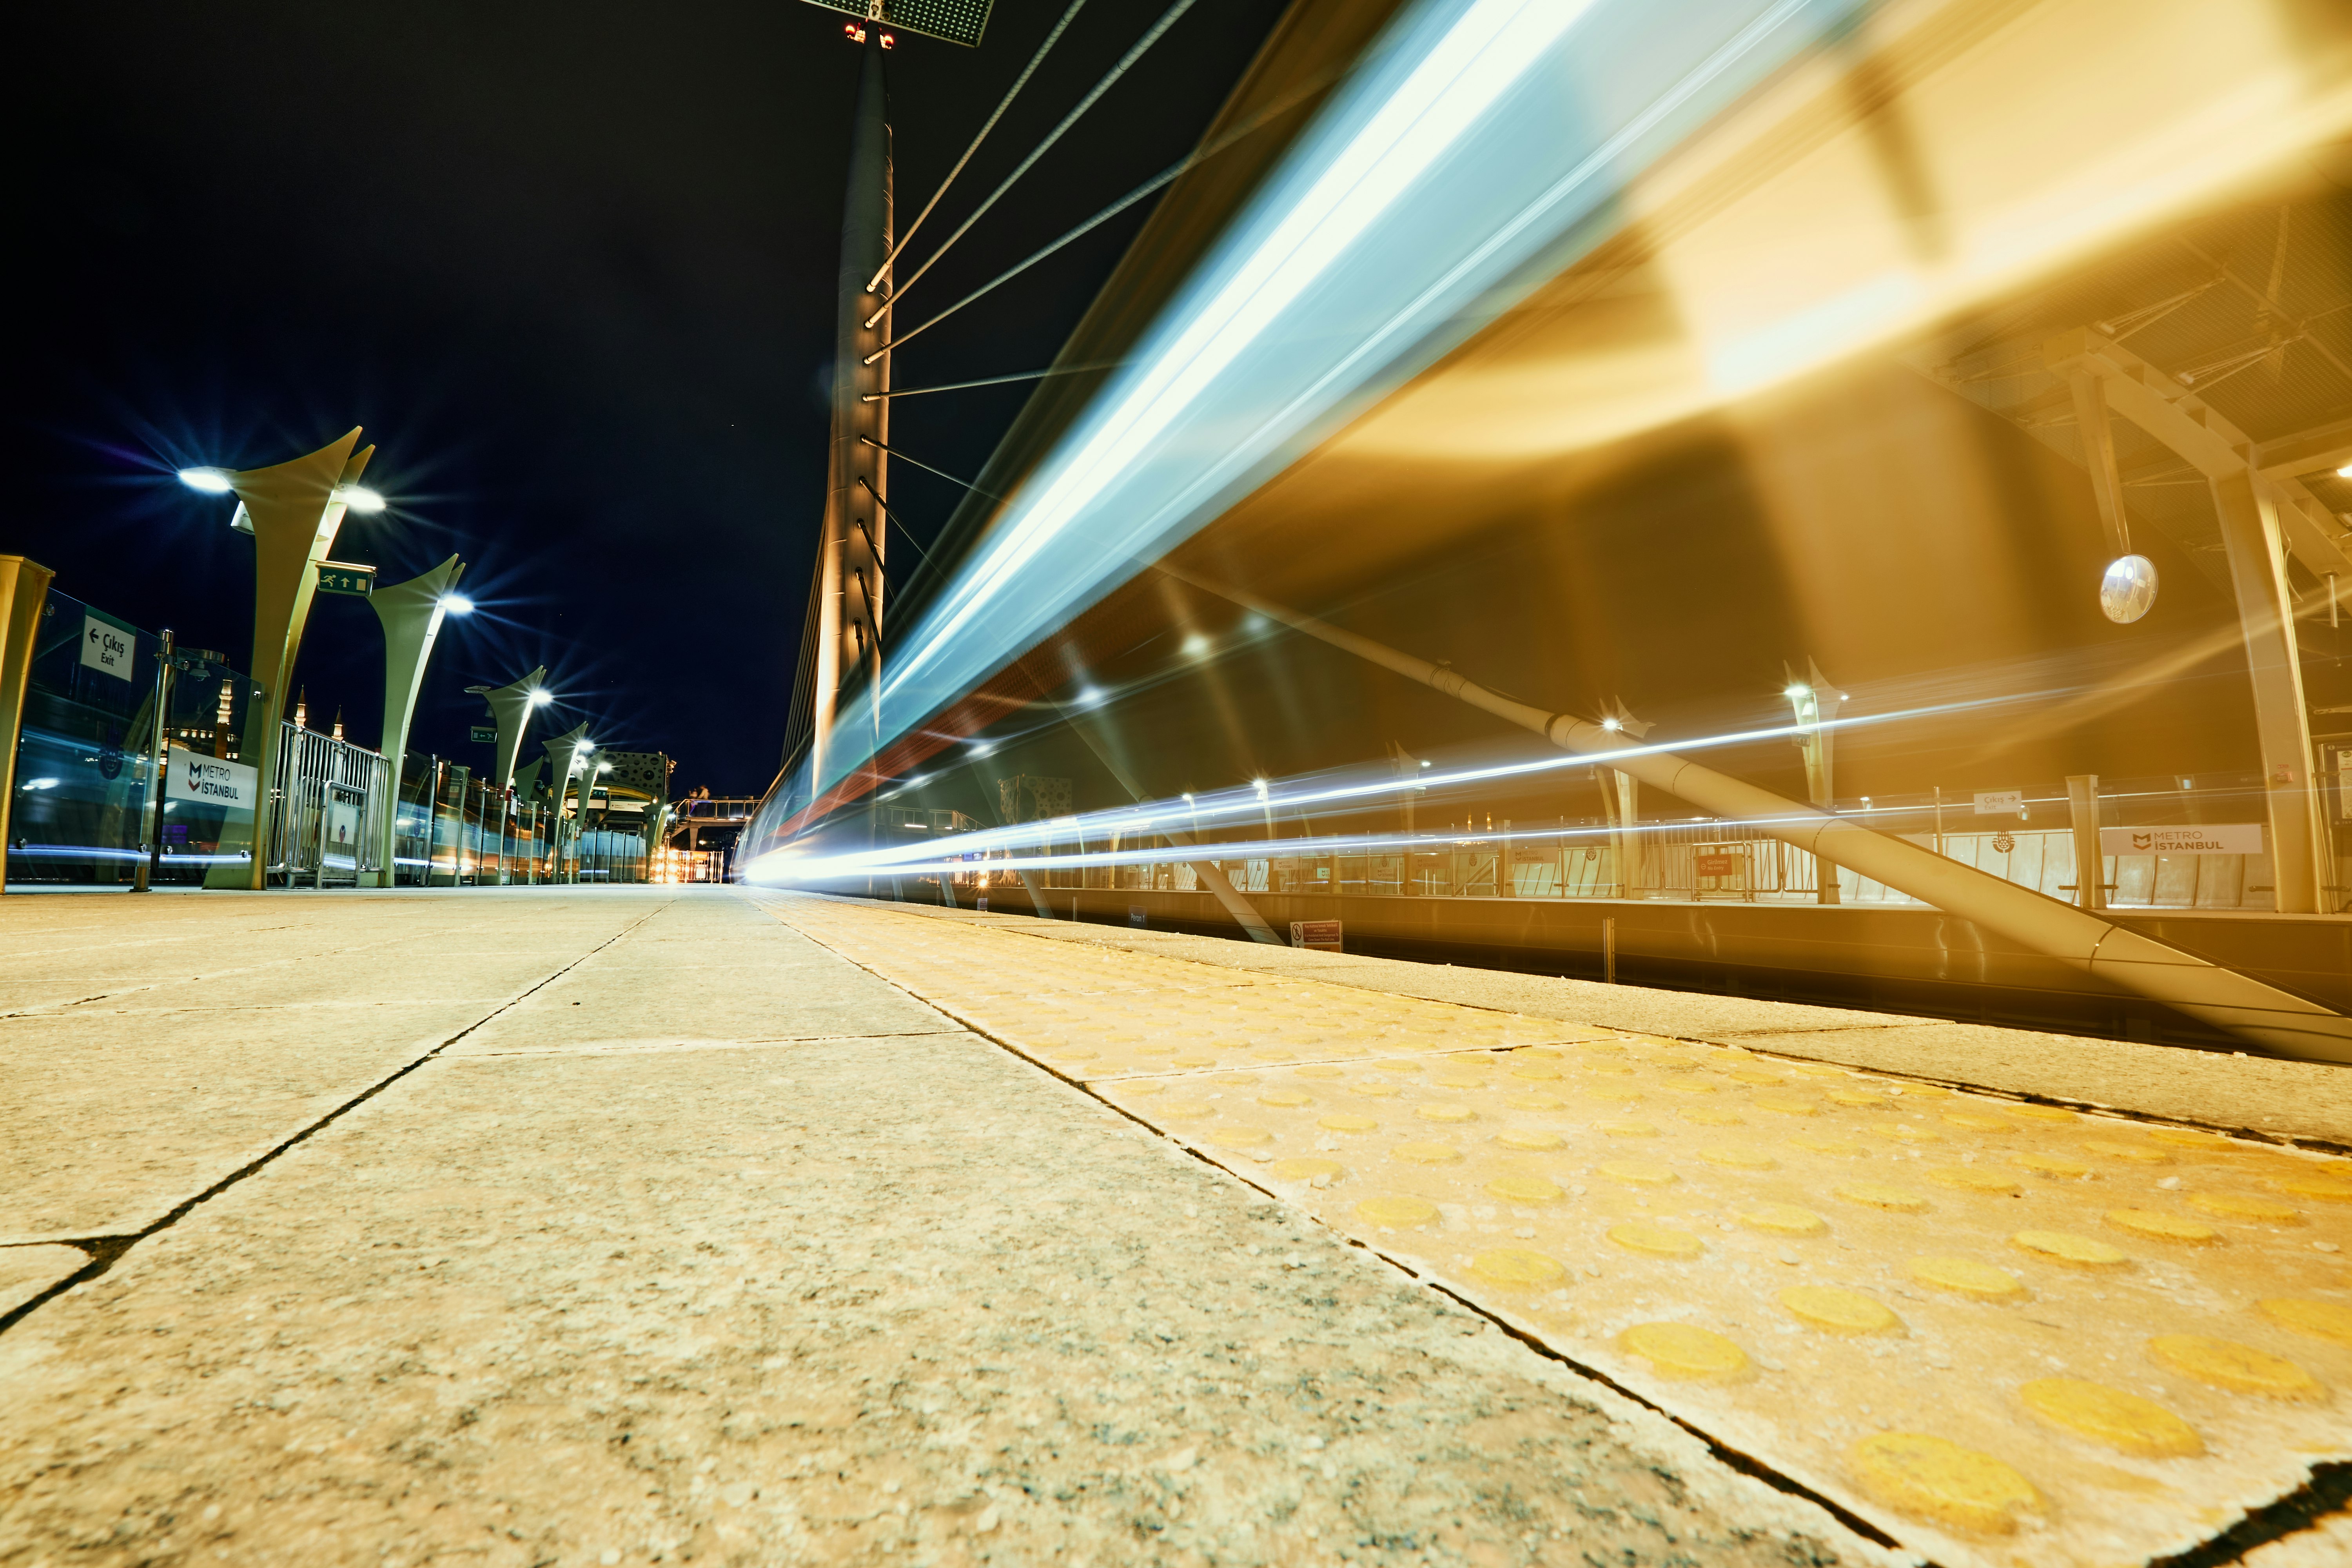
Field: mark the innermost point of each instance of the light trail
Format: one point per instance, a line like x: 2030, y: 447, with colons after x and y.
x: 1244, y: 803
x: 1478, y: 142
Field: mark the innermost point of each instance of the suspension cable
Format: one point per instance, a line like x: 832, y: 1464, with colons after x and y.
x: 1010, y: 94
x: 1167, y: 20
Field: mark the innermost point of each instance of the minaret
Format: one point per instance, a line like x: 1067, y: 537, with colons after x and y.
x: 842, y: 645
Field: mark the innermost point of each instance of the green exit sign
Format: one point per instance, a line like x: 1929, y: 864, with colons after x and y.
x: 486, y: 734
x: 335, y: 577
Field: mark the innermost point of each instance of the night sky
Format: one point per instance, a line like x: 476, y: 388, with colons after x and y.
x: 572, y: 266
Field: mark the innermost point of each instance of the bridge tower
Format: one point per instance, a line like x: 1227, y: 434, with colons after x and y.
x: 841, y: 639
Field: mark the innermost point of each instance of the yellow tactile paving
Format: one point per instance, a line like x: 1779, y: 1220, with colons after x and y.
x: 2007, y: 1334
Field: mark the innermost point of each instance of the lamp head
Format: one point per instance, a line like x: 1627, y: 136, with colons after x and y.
x: 1797, y: 691
x: 212, y: 481
x: 540, y: 697
x: 358, y: 499
x: 456, y: 603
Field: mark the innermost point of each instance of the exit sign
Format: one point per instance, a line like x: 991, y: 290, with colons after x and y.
x: 486, y: 735
x: 336, y: 577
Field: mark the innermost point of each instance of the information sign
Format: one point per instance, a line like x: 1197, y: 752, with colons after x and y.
x: 106, y: 645
x: 2196, y: 838
x: 486, y: 734
x: 210, y: 780
x: 1138, y: 915
x: 338, y: 577
x: 2000, y: 802
x: 1321, y: 935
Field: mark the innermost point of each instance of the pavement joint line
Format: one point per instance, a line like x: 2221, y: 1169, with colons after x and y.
x: 2320, y: 1499
x: 621, y: 1048
x: 1745, y: 1464
x: 1728, y: 1036
x: 106, y: 1250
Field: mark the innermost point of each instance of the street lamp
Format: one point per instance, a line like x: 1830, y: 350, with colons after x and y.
x: 457, y: 605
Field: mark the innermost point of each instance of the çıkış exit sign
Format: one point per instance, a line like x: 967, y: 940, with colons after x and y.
x: 486, y: 734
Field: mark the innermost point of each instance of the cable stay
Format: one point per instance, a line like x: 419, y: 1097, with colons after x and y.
x: 990, y: 381
x: 1167, y: 20
x: 1165, y: 177
x: 1010, y: 94
x: 928, y: 469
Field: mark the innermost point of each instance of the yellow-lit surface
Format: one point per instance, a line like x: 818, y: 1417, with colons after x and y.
x: 1996, y: 1370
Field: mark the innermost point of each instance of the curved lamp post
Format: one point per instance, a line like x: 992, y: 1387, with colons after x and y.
x: 411, y: 613
x: 512, y: 707
x: 295, y: 509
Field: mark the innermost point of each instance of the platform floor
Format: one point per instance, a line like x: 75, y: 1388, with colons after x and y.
x: 623, y: 1226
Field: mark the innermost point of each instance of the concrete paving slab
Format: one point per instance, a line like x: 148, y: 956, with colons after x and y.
x: 885, y: 1301
x: 105, y: 1126
x: 27, y: 1271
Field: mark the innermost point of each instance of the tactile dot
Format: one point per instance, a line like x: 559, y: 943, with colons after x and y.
x: 1397, y: 1064
x: 1857, y: 1096
x: 1709, y: 1116
x: 1446, y: 1113
x: 1155, y: 1048
x: 1738, y: 1159
x: 2051, y: 1166
x: 1376, y: 1090
x: 1241, y: 1137
x: 1818, y: 1145
x: 2059, y: 1247
x: 1781, y: 1105
x: 1524, y: 1138
x: 1638, y: 1173
x: 1968, y: 1179
x: 1321, y: 1069
x: 1967, y: 1277
x: 1816, y: 1071
x: 2321, y: 1320
x: 2239, y: 1368
x: 1141, y: 1088
x: 1426, y: 1154
x: 1839, y: 1311
x: 1680, y: 1349
x: 1316, y: 1171
x: 1784, y: 1219
x: 1976, y: 1123
x: 1396, y: 1214
x: 1757, y: 1075
x: 1185, y: 1110
x: 2162, y: 1226
x: 1517, y: 1266
x: 1192, y: 1061
x: 1689, y: 1087
x: 2326, y: 1189
x: 1627, y: 1129
x: 2041, y: 1113
x: 2261, y: 1210
x: 1460, y: 1080
x: 1071, y: 1053
x: 1936, y: 1479
x: 2109, y: 1416
x: 1615, y: 1095
x: 1340, y: 1122
x: 1656, y: 1240
x: 1538, y: 1071
x: 1879, y: 1195
x: 2138, y: 1154
x: 1523, y: 1190
x: 1904, y: 1133
x: 1289, y: 1099
x: 1535, y: 1102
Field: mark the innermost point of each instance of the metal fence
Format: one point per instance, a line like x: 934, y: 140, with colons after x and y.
x: 326, y: 825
